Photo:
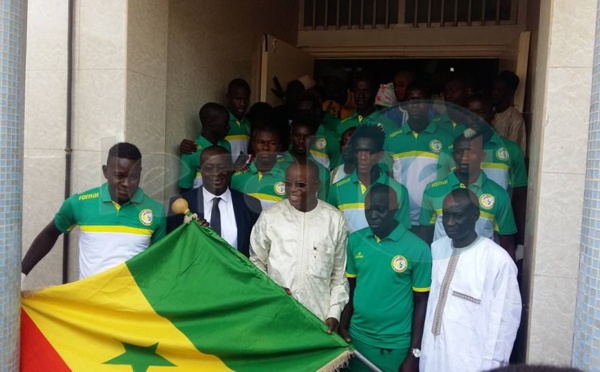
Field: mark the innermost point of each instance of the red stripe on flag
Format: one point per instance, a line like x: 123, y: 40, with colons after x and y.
x: 37, y: 354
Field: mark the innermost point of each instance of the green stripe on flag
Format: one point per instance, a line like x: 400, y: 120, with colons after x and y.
x: 229, y: 308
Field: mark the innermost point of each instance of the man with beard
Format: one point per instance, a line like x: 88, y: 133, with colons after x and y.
x: 230, y: 213
x: 300, y: 243
x: 474, y: 306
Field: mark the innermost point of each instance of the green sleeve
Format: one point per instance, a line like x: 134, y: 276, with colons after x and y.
x: 333, y: 150
x: 505, y: 218
x: 427, y: 215
x: 160, y: 229
x: 236, y: 182
x: 350, y: 267
x: 333, y: 197
x: 518, y: 173
x: 189, y: 167
x: 421, y: 272
x: 65, y: 218
x: 325, y: 179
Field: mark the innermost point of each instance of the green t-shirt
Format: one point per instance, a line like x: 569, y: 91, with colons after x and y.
x: 496, y: 214
x: 419, y: 159
x: 238, y: 136
x: 326, y: 148
x: 387, y: 271
x: 504, y: 162
x: 110, y: 233
x: 389, y: 120
x: 444, y: 122
x: 348, y: 195
x: 352, y: 121
x: 324, y: 175
x: 268, y: 187
x: 189, y: 175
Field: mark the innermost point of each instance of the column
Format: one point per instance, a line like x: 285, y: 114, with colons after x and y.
x: 586, y: 342
x: 12, y: 63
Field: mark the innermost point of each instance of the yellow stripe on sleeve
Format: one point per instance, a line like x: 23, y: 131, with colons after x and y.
x: 351, y: 276
x: 495, y: 165
x: 261, y: 196
x: 98, y: 317
x: 343, y: 207
x: 237, y: 137
x: 421, y: 290
x: 116, y: 229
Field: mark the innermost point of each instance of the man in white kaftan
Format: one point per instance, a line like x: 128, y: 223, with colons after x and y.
x: 474, y: 306
x: 301, y: 242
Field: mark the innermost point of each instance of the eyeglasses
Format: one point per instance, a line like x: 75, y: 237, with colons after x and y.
x: 298, y: 184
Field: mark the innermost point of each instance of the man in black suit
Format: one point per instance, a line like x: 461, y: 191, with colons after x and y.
x: 230, y: 213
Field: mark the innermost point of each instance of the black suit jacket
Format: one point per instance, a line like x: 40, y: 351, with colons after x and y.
x: 245, y: 208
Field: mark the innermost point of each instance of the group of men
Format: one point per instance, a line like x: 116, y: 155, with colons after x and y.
x: 394, y: 226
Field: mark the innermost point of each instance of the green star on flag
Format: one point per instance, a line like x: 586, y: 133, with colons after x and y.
x: 140, y: 358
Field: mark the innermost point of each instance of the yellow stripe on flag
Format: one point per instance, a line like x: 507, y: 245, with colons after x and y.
x: 85, y: 323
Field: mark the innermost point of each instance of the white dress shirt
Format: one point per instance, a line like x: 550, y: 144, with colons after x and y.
x: 477, y: 322
x: 306, y: 253
x: 228, y: 223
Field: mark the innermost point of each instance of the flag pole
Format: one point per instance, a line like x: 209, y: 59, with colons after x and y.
x: 366, y: 362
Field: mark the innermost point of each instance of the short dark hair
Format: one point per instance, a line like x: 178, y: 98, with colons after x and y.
x: 365, y: 76
x: 304, y: 122
x: 421, y: 85
x: 510, y: 78
x: 268, y: 128
x: 214, y: 149
x: 373, y: 132
x: 210, y: 110
x: 125, y: 150
x: 463, y: 138
x: 380, y: 188
x: 238, y: 83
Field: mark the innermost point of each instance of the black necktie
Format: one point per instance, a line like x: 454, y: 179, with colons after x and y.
x: 215, y: 216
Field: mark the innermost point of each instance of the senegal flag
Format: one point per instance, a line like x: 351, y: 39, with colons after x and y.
x: 188, y: 303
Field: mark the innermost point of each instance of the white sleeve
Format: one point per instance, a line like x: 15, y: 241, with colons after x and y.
x: 260, y: 244
x: 338, y: 285
x: 505, y: 317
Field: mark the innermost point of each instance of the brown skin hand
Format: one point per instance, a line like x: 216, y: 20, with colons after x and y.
x: 40, y: 247
x: 411, y: 364
x: 187, y: 146
x: 347, y: 313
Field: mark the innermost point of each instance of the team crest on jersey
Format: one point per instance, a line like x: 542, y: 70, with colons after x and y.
x: 435, y: 145
x: 321, y: 143
x: 487, y: 201
x: 399, y: 264
x: 502, y: 154
x: 359, y: 255
x: 279, y: 188
x: 146, y: 217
